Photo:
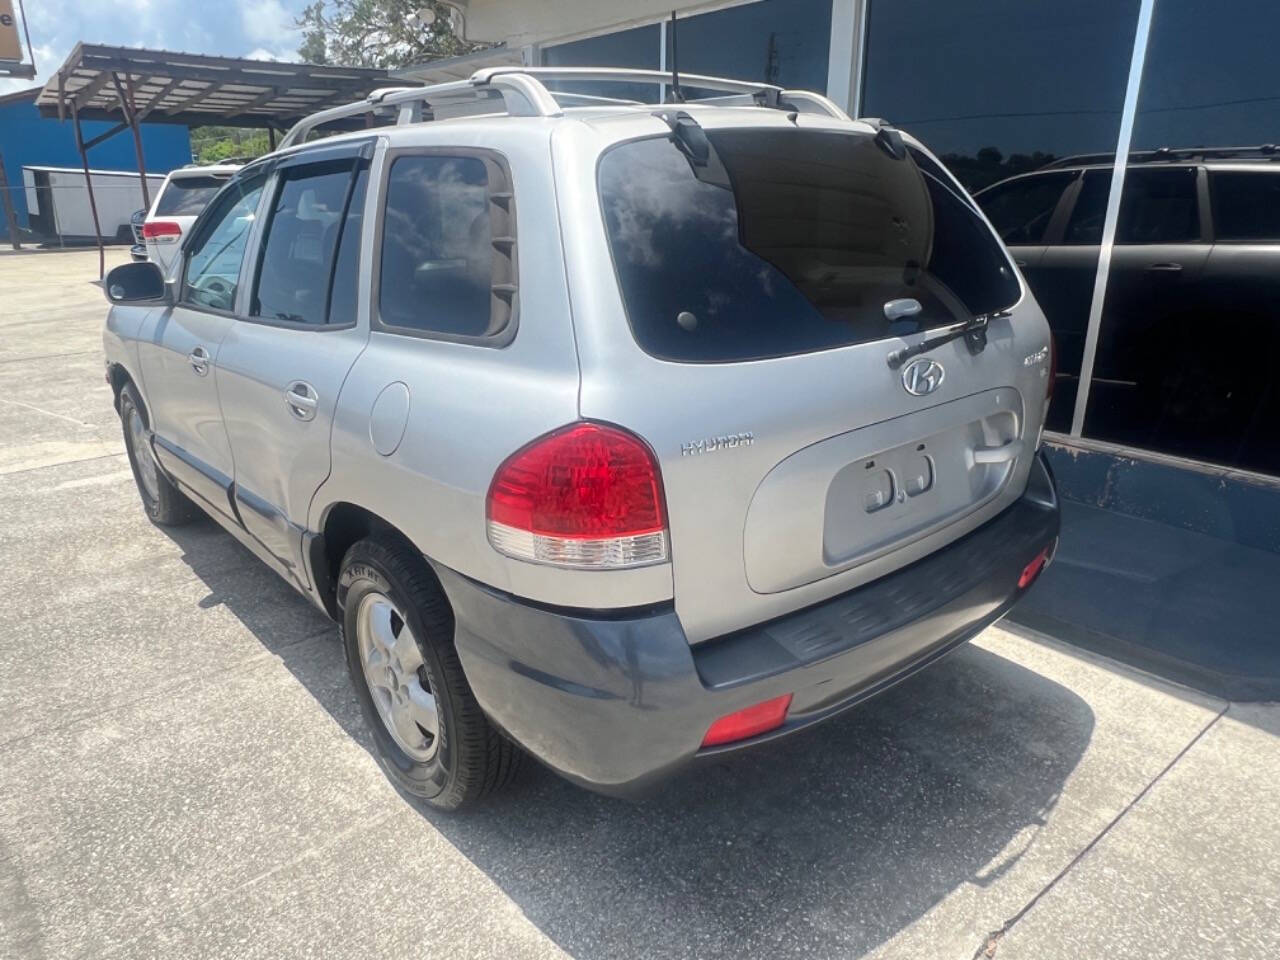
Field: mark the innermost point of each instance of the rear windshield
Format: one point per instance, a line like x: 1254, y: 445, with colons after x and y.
x: 187, y: 196
x: 790, y: 241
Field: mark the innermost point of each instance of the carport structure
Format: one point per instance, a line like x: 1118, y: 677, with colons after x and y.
x: 130, y: 85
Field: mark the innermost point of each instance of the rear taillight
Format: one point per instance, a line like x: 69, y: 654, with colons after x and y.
x: 162, y: 231
x: 587, y: 495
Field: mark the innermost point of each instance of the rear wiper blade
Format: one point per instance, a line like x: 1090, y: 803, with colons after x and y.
x: 974, y: 331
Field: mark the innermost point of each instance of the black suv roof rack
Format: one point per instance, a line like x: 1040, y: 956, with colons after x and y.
x: 1264, y: 151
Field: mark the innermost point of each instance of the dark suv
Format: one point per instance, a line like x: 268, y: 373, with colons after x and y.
x: 1196, y: 257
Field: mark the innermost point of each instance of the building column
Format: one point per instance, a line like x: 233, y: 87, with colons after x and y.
x: 844, y: 60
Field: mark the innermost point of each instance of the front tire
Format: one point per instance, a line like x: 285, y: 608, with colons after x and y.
x: 163, y: 502
x: 432, y: 738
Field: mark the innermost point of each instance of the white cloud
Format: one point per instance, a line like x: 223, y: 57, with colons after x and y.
x: 262, y: 53
x: 48, y: 58
x: 268, y: 24
x: 262, y: 29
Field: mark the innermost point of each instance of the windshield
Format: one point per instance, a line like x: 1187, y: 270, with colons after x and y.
x: 187, y: 196
x: 787, y: 242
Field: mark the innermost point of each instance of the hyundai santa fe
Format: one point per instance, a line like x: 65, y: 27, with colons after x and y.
x: 623, y: 435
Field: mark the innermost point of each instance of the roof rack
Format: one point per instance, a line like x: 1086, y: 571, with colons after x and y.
x: 1264, y: 151
x: 524, y: 94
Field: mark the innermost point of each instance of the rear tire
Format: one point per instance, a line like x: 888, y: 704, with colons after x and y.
x: 432, y: 738
x: 163, y: 502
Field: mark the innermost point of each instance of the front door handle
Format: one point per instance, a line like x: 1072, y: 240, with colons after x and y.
x: 199, y: 360
x: 1164, y: 268
x: 301, y: 399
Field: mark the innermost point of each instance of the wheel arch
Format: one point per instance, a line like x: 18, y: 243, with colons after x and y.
x: 119, y: 377
x: 342, y: 524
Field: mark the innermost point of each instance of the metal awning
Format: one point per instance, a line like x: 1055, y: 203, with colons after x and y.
x: 131, y: 85
x: 162, y: 86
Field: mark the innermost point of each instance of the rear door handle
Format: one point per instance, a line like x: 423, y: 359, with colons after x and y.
x: 1164, y: 268
x: 1020, y: 264
x: 199, y: 360
x: 301, y: 399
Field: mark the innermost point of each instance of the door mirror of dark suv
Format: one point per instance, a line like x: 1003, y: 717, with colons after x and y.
x: 136, y: 283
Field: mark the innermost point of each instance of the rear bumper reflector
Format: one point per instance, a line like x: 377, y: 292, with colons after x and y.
x: 749, y: 722
x: 1033, y: 569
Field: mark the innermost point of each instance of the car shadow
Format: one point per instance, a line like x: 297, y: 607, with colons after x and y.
x: 826, y: 843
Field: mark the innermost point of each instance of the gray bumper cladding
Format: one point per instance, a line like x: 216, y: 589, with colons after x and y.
x: 616, y: 703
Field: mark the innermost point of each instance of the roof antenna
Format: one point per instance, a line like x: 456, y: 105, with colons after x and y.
x: 677, y: 95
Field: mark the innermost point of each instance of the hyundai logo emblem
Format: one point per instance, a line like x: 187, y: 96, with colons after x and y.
x: 922, y: 376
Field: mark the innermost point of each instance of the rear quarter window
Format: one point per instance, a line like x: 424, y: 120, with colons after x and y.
x: 788, y: 242
x: 1246, y: 206
x: 188, y: 196
x: 447, y: 267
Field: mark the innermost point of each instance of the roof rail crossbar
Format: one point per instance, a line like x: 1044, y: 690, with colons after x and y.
x: 524, y: 94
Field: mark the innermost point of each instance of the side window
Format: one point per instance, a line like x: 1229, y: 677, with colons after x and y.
x: 295, y: 263
x: 1159, y: 206
x: 217, y: 249
x: 447, y: 249
x: 1246, y: 206
x: 1020, y: 209
x: 1085, y: 225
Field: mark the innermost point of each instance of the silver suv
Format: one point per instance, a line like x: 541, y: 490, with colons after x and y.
x: 630, y: 434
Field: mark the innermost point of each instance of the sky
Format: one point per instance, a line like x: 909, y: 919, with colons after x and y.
x: 263, y: 29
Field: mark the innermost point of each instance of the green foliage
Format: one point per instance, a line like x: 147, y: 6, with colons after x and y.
x: 315, y: 47
x: 215, y: 144
x: 378, y: 33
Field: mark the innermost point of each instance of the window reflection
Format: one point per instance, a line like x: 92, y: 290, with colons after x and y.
x: 1021, y: 99
x: 1193, y: 299
x: 784, y: 42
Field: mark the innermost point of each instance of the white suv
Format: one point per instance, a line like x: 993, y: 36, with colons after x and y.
x: 182, y: 197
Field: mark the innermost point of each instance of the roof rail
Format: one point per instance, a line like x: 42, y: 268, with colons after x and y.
x: 1263, y: 151
x: 524, y: 94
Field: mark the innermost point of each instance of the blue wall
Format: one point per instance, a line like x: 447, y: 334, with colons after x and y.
x: 26, y: 139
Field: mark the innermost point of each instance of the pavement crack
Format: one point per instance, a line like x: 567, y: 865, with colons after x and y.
x: 49, y: 356
x: 987, y: 949
x: 49, y: 413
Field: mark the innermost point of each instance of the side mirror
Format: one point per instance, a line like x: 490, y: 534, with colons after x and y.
x: 136, y: 283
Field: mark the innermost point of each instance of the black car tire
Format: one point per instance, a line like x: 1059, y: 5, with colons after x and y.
x: 166, y: 504
x: 471, y: 757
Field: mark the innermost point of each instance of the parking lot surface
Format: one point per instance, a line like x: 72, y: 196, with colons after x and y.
x: 186, y: 772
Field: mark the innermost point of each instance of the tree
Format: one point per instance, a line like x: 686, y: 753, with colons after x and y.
x: 379, y: 33
x: 215, y: 144
x: 315, y: 48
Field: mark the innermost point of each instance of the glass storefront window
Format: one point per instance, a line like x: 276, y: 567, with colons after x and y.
x: 1193, y: 297
x: 1004, y: 88
x: 784, y: 42
x: 637, y: 48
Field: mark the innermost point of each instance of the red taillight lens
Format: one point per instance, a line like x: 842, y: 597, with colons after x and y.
x: 586, y: 495
x: 1033, y: 569
x: 750, y: 722
x: 162, y: 230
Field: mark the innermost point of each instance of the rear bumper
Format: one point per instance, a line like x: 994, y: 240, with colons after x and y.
x: 617, y: 703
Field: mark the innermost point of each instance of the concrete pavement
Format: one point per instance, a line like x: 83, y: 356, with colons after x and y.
x: 186, y: 773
